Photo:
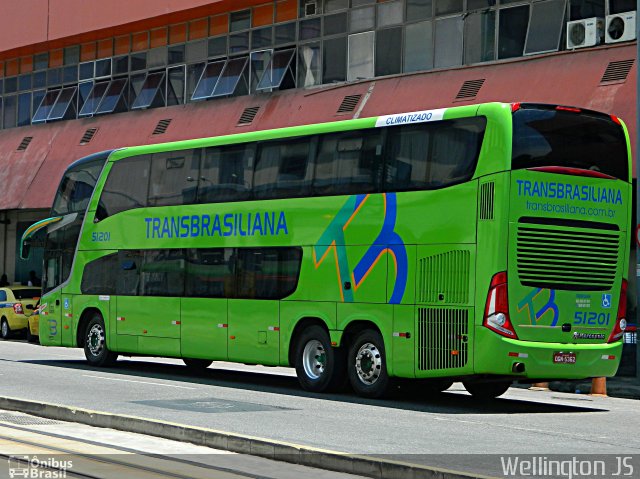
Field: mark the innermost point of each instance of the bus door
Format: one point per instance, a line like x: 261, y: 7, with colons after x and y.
x: 254, y: 322
x: 148, y: 289
x: 209, y: 280
x: 57, y: 264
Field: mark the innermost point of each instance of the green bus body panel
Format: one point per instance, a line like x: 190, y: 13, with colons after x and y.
x: 422, y: 281
x: 204, y: 328
x: 539, y: 313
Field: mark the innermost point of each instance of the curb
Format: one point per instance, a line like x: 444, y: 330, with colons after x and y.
x: 271, y: 449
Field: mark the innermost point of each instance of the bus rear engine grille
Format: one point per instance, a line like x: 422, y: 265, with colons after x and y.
x: 561, y: 258
x: 442, y: 338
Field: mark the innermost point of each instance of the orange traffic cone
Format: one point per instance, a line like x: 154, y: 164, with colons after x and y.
x: 599, y: 387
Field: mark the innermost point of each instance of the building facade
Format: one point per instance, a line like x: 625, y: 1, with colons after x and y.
x: 78, y: 77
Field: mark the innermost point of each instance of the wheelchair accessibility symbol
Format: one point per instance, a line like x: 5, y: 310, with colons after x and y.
x: 606, y: 300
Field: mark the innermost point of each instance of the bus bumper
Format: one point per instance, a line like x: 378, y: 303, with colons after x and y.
x: 495, y: 354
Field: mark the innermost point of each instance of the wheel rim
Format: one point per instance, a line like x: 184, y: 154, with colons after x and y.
x: 5, y: 329
x: 368, y: 363
x: 314, y: 359
x: 95, y: 340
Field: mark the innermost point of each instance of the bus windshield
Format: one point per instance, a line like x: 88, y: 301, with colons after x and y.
x: 552, y: 137
x: 76, y: 187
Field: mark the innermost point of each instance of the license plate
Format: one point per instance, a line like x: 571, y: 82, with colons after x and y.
x: 564, y: 358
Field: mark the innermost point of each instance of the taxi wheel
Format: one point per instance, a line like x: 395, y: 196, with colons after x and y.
x: 31, y: 338
x: 5, y: 330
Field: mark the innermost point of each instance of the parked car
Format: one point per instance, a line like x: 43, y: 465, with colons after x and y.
x: 17, y: 305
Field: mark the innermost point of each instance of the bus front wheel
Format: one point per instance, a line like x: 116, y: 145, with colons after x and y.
x: 486, y: 390
x: 319, y: 366
x: 197, y: 365
x: 367, y: 365
x: 95, y: 343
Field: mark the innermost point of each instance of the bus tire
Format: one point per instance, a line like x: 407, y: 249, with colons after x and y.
x: 5, y: 330
x: 95, y: 343
x: 197, y: 365
x: 319, y: 366
x: 486, y: 390
x: 367, y: 365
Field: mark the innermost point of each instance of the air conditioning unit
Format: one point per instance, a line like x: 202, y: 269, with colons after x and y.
x: 620, y: 27
x: 587, y: 32
x: 312, y: 7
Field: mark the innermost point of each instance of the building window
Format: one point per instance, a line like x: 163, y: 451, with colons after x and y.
x: 361, y: 56
x: 448, y: 42
x: 545, y: 26
x: 512, y: 31
x: 418, y: 47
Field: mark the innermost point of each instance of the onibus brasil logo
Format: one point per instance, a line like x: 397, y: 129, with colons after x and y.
x: 34, y: 467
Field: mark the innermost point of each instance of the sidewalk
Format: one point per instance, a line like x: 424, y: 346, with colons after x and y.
x: 621, y: 387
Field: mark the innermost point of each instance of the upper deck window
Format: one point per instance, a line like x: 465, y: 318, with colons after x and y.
x: 549, y: 137
x: 76, y: 188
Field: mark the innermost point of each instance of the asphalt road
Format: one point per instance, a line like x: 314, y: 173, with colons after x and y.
x: 448, y: 430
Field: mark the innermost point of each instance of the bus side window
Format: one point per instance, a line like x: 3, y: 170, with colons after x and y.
x: 162, y: 273
x: 128, y: 281
x: 226, y: 174
x: 430, y: 155
x: 348, y: 163
x: 210, y: 273
x: 282, y: 169
x: 99, y: 276
x: 268, y: 273
x: 174, y: 177
x: 126, y: 187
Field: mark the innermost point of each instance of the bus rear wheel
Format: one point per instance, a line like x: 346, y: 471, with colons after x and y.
x: 95, y: 343
x: 486, y: 390
x: 367, y: 365
x: 319, y: 366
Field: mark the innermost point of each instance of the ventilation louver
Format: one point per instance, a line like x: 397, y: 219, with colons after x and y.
x: 349, y: 103
x: 248, y: 115
x: 443, y: 336
x: 161, y: 127
x: 24, y: 143
x: 617, y: 71
x: 486, y: 200
x: 444, y: 278
x: 567, y: 258
x: 470, y: 89
x: 88, y: 136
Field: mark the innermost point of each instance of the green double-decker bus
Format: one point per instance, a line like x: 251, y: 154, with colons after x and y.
x: 485, y: 243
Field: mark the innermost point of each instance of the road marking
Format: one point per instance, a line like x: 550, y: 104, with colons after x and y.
x: 140, y: 382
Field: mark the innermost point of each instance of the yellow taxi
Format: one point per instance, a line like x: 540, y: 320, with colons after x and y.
x: 33, y: 324
x: 17, y: 305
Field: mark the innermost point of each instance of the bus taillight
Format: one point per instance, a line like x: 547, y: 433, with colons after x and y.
x: 621, y: 320
x: 496, y: 311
